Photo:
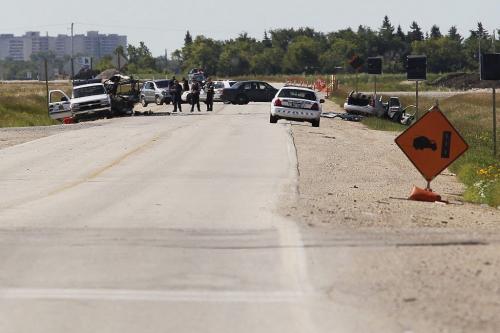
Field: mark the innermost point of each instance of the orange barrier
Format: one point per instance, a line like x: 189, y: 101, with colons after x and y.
x: 320, y: 84
x: 427, y: 195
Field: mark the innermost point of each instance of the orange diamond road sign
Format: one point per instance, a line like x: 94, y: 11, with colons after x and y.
x: 432, y: 144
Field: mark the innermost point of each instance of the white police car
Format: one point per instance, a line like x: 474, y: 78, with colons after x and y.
x: 298, y: 104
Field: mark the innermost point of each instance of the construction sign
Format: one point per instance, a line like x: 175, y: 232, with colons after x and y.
x: 432, y: 144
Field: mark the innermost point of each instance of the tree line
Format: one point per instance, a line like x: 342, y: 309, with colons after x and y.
x: 304, y: 50
x: 298, y: 51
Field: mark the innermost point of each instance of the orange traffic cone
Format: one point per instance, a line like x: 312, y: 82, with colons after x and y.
x: 418, y: 194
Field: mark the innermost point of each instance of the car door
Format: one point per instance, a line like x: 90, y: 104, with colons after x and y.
x: 270, y: 91
x: 252, y: 91
x: 59, y: 105
x: 151, y: 92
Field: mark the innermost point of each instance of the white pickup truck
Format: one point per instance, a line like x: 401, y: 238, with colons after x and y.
x: 87, y: 101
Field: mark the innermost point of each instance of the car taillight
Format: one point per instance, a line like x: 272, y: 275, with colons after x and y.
x: 315, y: 107
x: 278, y: 102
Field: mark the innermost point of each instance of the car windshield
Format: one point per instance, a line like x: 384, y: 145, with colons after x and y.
x: 88, y: 91
x: 219, y: 85
x: 162, y: 84
x: 232, y: 83
x: 237, y: 85
x: 296, y: 93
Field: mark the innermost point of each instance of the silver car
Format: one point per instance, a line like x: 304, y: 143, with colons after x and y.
x: 155, y: 92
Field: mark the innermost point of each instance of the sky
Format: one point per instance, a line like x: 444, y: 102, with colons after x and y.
x: 162, y: 24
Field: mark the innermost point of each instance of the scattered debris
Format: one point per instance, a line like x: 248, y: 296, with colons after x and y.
x: 343, y: 116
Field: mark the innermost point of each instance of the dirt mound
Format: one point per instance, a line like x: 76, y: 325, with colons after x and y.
x: 108, y: 74
x: 463, y: 81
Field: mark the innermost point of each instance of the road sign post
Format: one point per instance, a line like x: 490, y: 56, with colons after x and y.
x: 494, y: 122
x: 416, y: 99
x: 375, y: 68
x: 431, y: 144
x: 490, y: 71
x: 416, y: 70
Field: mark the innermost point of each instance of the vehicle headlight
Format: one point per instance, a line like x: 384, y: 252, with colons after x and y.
x: 105, y: 101
x: 75, y: 106
x: 164, y: 92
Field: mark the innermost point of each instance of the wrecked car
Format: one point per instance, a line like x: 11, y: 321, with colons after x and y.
x: 364, y: 104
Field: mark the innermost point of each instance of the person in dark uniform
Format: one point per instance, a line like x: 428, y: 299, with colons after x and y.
x: 185, y: 84
x: 176, y: 93
x: 195, y: 96
x: 210, y: 89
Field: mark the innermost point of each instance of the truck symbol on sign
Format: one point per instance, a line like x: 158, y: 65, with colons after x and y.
x: 423, y: 142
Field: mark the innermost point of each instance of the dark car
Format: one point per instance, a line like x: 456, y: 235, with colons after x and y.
x: 423, y: 142
x: 249, y: 91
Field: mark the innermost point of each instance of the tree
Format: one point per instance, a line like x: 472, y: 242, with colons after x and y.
x: 444, y: 54
x: 302, y: 56
x: 267, y: 41
x: 140, y: 58
x: 204, y: 53
x: 188, y: 39
x: 400, y: 34
x: 387, y: 29
x: 454, y: 35
x: 267, y: 62
x: 435, y: 32
x: 415, y: 34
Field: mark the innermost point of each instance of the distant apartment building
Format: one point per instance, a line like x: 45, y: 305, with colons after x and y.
x: 93, y: 44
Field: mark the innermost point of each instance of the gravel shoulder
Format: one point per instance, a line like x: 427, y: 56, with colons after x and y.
x: 423, y: 267
x: 352, y: 176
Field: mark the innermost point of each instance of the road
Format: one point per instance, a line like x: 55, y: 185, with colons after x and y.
x: 152, y: 224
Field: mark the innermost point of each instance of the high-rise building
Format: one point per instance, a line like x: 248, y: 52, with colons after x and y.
x: 91, y: 45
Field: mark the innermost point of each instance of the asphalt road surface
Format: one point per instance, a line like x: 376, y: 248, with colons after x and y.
x: 161, y: 224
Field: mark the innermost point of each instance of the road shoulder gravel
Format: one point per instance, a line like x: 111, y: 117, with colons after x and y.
x: 427, y: 267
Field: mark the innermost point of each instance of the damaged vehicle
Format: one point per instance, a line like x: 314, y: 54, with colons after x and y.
x: 91, y: 99
x: 371, y: 105
x: 124, y: 93
x: 364, y: 104
x: 397, y: 113
x: 59, y: 105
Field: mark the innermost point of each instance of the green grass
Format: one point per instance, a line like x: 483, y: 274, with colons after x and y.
x: 25, y: 104
x: 471, y: 114
x: 386, y: 82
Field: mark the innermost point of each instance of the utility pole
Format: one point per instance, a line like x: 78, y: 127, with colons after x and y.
x: 479, y: 51
x: 72, y: 54
x: 494, y: 41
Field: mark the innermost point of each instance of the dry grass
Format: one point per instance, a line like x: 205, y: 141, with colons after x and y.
x: 25, y: 104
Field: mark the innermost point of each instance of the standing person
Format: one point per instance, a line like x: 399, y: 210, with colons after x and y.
x: 210, y: 88
x: 185, y: 84
x: 195, y: 96
x: 176, y: 93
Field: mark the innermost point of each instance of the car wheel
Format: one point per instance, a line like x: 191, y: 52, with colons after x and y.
x: 242, y: 99
x: 158, y: 100
x: 315, y: 123
x: 168, y: 101
x: 273, y: 119
x: 143, y: 102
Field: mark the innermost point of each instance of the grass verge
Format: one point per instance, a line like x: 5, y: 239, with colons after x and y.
x: 25, y: 104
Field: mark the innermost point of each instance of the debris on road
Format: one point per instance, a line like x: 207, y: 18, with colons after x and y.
x: 343, y: 116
